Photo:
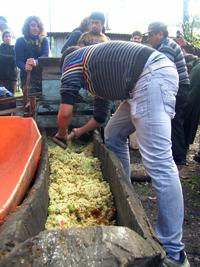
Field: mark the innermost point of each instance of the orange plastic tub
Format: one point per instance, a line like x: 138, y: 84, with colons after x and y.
x: 20, y: 148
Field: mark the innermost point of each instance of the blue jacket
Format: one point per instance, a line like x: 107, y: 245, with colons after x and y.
x: 33, y: 47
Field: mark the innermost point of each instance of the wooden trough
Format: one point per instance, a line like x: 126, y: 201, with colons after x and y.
x: 31, y: 216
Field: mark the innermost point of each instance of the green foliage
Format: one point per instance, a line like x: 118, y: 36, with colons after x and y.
x: 191, y: 31
x: 195, y: 181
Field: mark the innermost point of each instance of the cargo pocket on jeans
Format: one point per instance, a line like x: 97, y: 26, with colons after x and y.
x: 169, y: 99
x: 139, y: 104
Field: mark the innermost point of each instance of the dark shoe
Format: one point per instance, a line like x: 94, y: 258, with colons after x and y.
x: 197, y: 158
x: 181, y: 162
x: 169, y: 262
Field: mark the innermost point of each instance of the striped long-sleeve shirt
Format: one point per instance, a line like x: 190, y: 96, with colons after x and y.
x: 108, y: 70
x: 173, y: 51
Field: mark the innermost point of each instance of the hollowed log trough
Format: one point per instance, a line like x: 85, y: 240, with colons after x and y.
x: 131, y: 243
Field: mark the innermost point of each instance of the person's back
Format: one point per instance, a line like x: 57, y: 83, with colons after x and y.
x: 104, y: 77
x: 173, y: 51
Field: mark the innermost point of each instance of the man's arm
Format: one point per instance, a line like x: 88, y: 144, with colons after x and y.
x: 101, y: 110
x: 92, y: 124
x: 64, y: 119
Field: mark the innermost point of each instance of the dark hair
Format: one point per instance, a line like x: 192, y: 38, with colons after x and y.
x: 67, y: 52
x: 26, y: 26
x: 7, y: 31
x: 136, y: 33
x: 84, y: 25
x: 156, y: 27
x: 97, y: 16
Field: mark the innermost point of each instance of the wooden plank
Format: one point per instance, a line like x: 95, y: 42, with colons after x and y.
x: 51, y: 76
x: 10, y: 99
x: 51, y: 89
x: 10, y: 111
x: 49, y: 61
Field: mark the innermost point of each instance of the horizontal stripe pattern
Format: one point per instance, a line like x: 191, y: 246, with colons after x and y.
x: 108, y: 70
x: 173, y: 51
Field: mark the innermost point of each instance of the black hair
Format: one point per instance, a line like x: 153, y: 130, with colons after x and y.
x: 97, y: 16
x: 7, y: 31
x: 136, y: 33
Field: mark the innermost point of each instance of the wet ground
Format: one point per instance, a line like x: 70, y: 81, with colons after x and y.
x: 190, y: 179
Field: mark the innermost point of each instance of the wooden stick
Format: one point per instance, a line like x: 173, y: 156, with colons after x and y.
x: 26, y: 88
x: 70, y: 136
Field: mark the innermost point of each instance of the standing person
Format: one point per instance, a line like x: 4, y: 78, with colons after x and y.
x: 76, y: 34
x: 159, y: 39
x: 137, y: 75
x: 8, y: 70
x: 136, y: 37
x: 95, y: 35
x: 28, y: 49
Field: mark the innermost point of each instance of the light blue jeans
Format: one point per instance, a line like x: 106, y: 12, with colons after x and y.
x: 149, y: 112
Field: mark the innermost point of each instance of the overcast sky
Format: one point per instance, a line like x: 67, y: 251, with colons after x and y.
x: 125, y: 16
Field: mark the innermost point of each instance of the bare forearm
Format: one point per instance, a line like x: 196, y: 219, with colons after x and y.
x: 64, y: 119
x: 92, y: 124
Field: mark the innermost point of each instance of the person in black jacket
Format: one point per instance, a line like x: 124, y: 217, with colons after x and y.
x: 8, y: 70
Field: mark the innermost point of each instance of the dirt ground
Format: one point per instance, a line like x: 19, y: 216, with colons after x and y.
x: 190, y: 179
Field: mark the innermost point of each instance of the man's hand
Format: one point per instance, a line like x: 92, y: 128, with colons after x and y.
x: 91, y: 125
x: 28, y: 67
x: 77, y: 132
x: 31, y: 61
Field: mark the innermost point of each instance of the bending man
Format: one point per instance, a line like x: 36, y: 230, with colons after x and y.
x: 147, y: 82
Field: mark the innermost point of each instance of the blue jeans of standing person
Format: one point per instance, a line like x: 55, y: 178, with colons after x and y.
x: 149, y: 112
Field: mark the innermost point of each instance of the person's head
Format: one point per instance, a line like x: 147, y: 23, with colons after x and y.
x: 7, y: 37
x: 136, y: 37
x: 85, y: 24
x: 32, y: 26
x: 97, y: 20
x: 156, y: 32
x: 180, y: 39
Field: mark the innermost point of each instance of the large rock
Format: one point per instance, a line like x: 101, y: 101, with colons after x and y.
x: 133, y: 141
x: 101, y: 246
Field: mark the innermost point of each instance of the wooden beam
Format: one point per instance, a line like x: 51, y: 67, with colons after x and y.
x: 10, y: 111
